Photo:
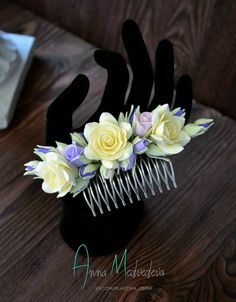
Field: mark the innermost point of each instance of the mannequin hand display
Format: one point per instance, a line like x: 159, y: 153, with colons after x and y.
x: 59, y: 114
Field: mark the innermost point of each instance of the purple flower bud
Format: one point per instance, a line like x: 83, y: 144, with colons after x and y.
x: 29, y: 168
x: 72, y: 151
x: 128, y: 164
x: 43, y: 150
x: 82, y: 134
x: 141, y: 146
x: 205, y: 125
x: 179, y: 113
x: 86, y: 174
x: 143, y: 123
x: 132, y: 117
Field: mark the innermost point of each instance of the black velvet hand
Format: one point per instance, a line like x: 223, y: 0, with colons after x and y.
x: 59, y: 115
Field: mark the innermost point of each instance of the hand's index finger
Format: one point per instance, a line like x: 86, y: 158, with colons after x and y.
x: 59, y: 113
x: 117, y: 82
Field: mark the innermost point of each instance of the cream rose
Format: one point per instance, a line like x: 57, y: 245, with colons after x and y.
x: 57, y: 174
x: 166, y: 131
x: 108, y: 141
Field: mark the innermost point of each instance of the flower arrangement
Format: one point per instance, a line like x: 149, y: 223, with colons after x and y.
x: 112, y: 146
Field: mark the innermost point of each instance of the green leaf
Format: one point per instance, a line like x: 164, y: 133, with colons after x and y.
x: 80, y: 186
x: 154, y: 151
x: 79, y: 139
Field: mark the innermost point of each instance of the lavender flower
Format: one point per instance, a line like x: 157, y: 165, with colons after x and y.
x: 72, y: 151
x: 88, y: 171
x: 43, y: 150
x: 143, y: 123
x: 141, y: 146
x: 179, y: 113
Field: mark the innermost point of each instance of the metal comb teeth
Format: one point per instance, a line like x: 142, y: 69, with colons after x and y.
x: 149, y: 174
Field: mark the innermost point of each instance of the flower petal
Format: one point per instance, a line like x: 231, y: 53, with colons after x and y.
x: 81, y: 184
x: 154, y: 151
x: 107, y: 117
x: 185, y: 138
x: 88, y: 129
x: 127, y: 127
x: 171, y: 149
x: 127, y: 152
x: 89, y: 154
x: 110, y: 164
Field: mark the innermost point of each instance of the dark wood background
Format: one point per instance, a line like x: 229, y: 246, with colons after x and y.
x: 189, y: 232
x: 202, y: 31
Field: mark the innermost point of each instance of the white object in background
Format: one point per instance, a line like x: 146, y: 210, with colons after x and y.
x: 16, y: 52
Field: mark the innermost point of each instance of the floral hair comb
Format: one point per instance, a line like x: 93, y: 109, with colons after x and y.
x: 117, y: 157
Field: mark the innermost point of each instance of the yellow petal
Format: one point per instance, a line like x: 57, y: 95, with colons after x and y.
x: 171, y: 149
x: 107, y: 117
x: 127, y: 152
x: 89, y: 154
x: 127, y: 127
x: 88, y: 129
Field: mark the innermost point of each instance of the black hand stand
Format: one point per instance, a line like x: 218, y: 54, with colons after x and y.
x: 111, y: 231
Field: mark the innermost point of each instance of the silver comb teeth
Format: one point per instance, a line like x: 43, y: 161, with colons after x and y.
x: 149, y: 174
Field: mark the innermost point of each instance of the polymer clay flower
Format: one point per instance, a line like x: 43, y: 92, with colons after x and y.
x: 106, y: 173
x: 30, y: 167
x: 72, y: 152
x: 108, y: 141
x: 199, y: 127
x: 113, y: 146
x: 128, y: 163
x: 143, y: 123
x: 57, y: 174
x: 166, y: 131
x: 140, y: 145
x: 75, y: 155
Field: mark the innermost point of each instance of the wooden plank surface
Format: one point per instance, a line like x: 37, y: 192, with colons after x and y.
x: 203, y: 33
x: 189, y: 232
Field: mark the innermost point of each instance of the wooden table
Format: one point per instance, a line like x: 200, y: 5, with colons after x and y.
x: 189, y: 233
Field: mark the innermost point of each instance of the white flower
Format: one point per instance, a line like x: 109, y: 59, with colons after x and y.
x: 166, y: 131
x: 57, y: 174
x: 108, y: 141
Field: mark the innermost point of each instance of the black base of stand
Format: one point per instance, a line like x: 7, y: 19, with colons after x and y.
x: 103, y: 234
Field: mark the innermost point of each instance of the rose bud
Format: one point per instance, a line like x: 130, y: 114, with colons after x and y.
x: 106, y: 173
x: 30, y: 167
x: 43, y: 149
x: 141, y: 146
x: 88, y: 171
x: 143, y: 123
x: 79, y: 139
x: 199, y: 127
x: 129, y: 163
x: 72, y: 151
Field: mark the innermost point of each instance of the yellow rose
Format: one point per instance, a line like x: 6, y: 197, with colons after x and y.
x: 57, y: 174
x: 108, y: 141
x: 166, y: 131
